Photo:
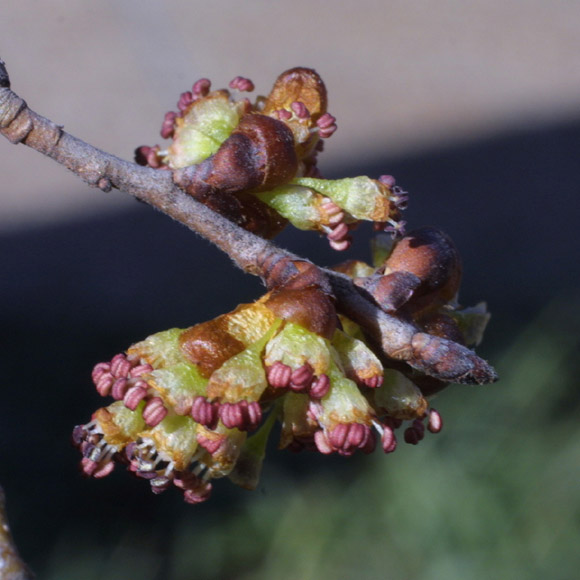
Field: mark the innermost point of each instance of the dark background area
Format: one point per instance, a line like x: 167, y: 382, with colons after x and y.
x: 75, y: 293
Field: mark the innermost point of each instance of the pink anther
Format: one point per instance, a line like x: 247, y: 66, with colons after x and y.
x: 302, y: 377
x: 300, y: 110
x: 242, y: 84
x: 319, y: 387
x: 168, y: 125
x: 134, y: 396
x: 279, y: 375
x: 119, y: 389
x: 435, y: 421
x: 154, y: 412
x: 201, y: 88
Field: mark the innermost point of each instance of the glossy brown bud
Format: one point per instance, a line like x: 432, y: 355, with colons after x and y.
x: 308, y: 307
x: 431, y: 256
x: 209, y: 345
x: 258, y: 155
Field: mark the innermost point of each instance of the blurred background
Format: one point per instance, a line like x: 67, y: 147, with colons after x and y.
x: 475, y: 108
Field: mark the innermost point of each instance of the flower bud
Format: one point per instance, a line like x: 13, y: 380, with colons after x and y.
x: 187, y: 399
x: 255, y: 163
x: 399, y: 398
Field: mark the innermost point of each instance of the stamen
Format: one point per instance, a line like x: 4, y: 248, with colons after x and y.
x: 388, y: 180
x: 119, y: 389
x: 154, y: 412
x: 396, y: 229
x: 435, y: 423
x: 168, y: 126
x: 300, y: 110
x: 120, y: 366
x: 338, y: 232
x: 322, y: 443
x: 368, y: 446
x: 140, y: 369
x: 400, y: 198
x: 146, y: 155
x: 279, y: 375
x: 195, y: 496
x: 88, y: 467
x: 326, y: 125
x: 231, y: 415
x: 242, y: 415
x: 204, y: 412
x: 332, y: 212
x: 388, y: 438
x: 104, y: 384
x: 254, y: 415
x: 99, y: 370
x: 415, y: 433
x: 373, y: 382
x: 302, y: 377
x: 283, y: 114
x: 338, y: 435
x: 134, y: 396
x: 340, y: 246
x: 242, y: 84
x: 320, y: 387
x: 160, y: 484
x: 185, y: 100
x: 201, y: 88
x: 211, y: 445
x: 104, y: 470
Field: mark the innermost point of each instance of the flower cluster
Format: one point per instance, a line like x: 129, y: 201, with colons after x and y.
x: 255, y: 162
x: 196, y: 404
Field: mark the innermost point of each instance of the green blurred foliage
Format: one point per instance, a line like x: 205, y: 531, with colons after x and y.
x: 495, y: 495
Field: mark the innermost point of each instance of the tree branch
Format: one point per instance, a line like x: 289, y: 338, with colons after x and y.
x: 398, y: 338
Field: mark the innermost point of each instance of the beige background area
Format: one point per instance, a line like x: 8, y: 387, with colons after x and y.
x: 401, y: 75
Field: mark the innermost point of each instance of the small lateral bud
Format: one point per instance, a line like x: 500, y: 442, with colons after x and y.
x: 432, y: 257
